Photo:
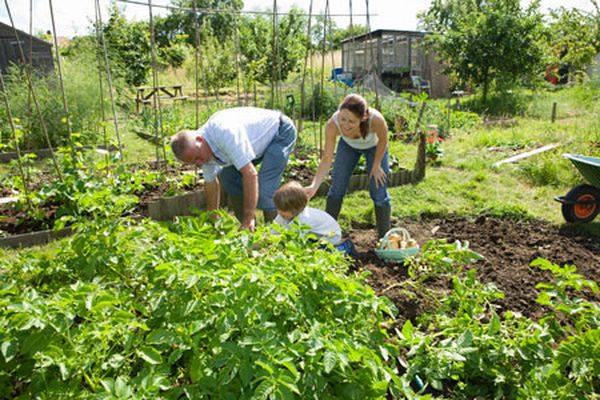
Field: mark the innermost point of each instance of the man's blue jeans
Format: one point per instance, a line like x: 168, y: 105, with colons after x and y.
x: 346, y: 158
x: 273, y: 163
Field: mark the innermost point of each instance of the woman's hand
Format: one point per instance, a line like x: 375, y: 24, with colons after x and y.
x: 311, y: 191
x: 378, y: 174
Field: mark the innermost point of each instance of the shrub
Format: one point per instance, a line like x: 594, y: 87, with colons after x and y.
x: 82, y: 90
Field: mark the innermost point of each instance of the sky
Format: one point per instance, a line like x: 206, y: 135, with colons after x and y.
x: 73, y: 17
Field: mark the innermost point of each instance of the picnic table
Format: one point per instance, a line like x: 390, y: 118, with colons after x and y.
x: 144, y: 94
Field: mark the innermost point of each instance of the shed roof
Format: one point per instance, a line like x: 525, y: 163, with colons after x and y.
x: 381, y: 32
x: 7, y: 32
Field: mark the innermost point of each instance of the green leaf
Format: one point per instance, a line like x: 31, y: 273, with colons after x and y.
x: 159, y: 336
x: 265, y: 366
x: 175, y: 355
x: 407, y: 330
x: 122, y: 390
x: 150, y: 355
x: 494, y: 326
x: 9, y: 350
x: 329, y: 361
x: 290, y: 367
x: 263, y: 390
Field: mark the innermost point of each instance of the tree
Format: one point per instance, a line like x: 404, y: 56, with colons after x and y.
x: 218, y: 61
x: 574, y: 37
x: 335, y: 34
x: 128, y: 45
x: 487, y: 43
x: 256, y: 44
x: 183, y: 22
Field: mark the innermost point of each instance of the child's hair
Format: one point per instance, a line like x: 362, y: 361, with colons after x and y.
x: 358, y: 106
x: 290, y: 197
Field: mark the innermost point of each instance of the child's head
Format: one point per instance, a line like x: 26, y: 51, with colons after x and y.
x: 290, y: 199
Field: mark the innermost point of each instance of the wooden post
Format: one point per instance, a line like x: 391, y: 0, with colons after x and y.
x: 553, y: 118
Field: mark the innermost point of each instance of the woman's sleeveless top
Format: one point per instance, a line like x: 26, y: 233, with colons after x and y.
x: 369, y: 141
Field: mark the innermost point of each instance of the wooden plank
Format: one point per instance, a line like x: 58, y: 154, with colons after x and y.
x: 34, y: 238
x: 7, y: 200
x: 166, y: 208
x: 527, y: 154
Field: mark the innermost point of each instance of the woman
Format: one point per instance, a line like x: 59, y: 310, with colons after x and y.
x: 362, y: 131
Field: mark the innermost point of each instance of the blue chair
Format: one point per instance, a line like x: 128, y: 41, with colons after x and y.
x: 338, y: 74
x: 421, y: 84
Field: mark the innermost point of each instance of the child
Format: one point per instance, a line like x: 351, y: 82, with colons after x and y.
x: 291, y: 200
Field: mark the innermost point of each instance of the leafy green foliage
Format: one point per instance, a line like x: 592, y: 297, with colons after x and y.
x: 183, y: 22
x: 441, y: 113
x: 82, y: 92
x: 487, y: 44
x: 128, y: 46
x: 574, y: 35
x: 465, y: 346
x: 87, y: 189
x: 256, y: 45
x: 197, y: 309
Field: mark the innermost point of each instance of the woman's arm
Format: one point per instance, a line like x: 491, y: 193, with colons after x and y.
x: 331, y: 132
x: 379, y: 127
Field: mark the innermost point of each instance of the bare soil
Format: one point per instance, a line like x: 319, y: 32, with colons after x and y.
x: 509, y: 246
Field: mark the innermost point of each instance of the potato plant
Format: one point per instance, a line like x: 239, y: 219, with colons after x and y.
x: 192, y: 310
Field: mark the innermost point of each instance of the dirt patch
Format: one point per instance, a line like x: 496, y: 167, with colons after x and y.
x: 509, y: 247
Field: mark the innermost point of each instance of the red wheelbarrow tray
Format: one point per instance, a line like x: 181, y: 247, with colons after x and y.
x: 588, y: 166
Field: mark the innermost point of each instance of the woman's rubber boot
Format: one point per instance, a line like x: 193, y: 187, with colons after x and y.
x: 333, y: 207
x: 382, y: 218
x: 269, y: 216
x: 236, y: 204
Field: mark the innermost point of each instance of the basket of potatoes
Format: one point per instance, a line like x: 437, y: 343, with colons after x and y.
x: 397, y: 245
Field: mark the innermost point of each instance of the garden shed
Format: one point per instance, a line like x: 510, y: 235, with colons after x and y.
x: 41, y: 51
x: 399, y: 59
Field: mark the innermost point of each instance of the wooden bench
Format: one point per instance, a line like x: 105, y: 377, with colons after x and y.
x: 144, y: 94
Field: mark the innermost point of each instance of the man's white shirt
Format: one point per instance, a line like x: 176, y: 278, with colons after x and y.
x: 237, y: 136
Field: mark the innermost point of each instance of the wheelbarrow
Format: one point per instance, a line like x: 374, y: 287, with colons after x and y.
x: 582, y: 203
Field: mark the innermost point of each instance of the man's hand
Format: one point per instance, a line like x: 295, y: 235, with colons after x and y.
x: 250, y: 225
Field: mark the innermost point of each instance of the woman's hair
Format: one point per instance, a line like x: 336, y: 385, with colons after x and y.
x: 290, y: 197
x: 358, y: 106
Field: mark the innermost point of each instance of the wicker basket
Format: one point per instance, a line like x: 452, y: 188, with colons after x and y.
x: 387, y: 254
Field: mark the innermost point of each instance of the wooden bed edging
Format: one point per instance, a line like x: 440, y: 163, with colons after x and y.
x: 34, y: 238
x: 166, y: 208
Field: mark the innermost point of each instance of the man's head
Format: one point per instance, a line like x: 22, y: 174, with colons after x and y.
x: 190, y: 147
x: 290, y: 199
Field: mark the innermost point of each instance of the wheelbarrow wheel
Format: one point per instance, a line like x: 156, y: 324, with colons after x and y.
x: 581, y: 204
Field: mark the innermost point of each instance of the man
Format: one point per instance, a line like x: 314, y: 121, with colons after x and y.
x: 229, y: 146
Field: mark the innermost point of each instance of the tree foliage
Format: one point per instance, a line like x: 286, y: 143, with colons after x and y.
x: 180, y: 21
x: 574, y: 37
x: 488, y: 44
x: 256, y: 44
x: 334, y: 34
x: 128, y: 46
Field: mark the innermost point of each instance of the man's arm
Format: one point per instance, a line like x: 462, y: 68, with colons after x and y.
x: 250, y: 187
x: 212, y: 191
